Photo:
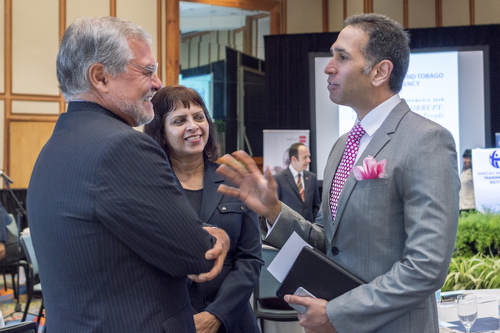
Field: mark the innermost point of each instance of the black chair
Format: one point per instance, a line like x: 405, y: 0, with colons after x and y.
x: 266, y: 305
x: 12, y: 267
x: 25, y: 327
x: 32, y: 280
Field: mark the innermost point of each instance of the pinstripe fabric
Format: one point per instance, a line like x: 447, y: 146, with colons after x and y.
x: 112, y: 230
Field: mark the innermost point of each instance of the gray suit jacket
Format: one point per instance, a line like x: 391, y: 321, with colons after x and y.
x: 288, y: 193
x: 397, y: 232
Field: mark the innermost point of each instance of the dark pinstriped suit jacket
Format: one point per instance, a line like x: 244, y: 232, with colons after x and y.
x: 112, y: 231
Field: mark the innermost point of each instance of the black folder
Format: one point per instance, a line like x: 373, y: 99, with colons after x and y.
x: 319, y: 275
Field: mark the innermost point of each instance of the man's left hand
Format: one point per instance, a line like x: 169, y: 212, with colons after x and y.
x: 218, y: 253
x: 205, y: 322
x: 315, y: 319
x: 3, y: 252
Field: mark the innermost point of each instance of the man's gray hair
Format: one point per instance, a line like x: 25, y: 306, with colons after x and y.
x: 94, y: 40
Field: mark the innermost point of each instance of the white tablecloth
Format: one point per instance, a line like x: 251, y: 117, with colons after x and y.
x: 488, y: 303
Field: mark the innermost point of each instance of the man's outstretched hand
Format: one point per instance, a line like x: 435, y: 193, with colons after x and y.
x: 217, y: 253
x: 258, y: 191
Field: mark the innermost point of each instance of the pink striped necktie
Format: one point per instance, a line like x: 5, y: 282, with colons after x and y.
x: 345, y: 166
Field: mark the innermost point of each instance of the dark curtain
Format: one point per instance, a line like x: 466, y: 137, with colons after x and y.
x: 254, y: 100
x: 287, y: 75
x: 253, y: 120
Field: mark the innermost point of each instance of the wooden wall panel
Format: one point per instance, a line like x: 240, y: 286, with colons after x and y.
x: 487, y: 11
x: 238, y: 40
x: 204, y: 49
x: 164, y: 41
x: 455, y: 12
x: 304, y: 16
x: 34, y: 46
x: 262, y: 30
x: 224, y: 40
x: 143, y: 13
x: 184, y: 55
x: 2, y: 133
x: 335, y: 15
x: 31, y: 107
x: 89, y: 8
x: 2, y: 49
x: 194, y: 48
x: 391, y: 8
x: 214, y: 46
x: 354, y: 7
x: 26, y: 140
x: 421, y: 13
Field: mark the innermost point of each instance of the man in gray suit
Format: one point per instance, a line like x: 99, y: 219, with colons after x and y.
x: 114, y: 235
x: 297, y: 187
x: 395, y: 230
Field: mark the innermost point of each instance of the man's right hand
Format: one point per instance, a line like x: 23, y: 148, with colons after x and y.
x: 217, y: 253
x: 257, y: 191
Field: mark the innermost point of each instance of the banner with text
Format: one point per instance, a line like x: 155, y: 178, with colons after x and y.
x: 486, y: 177
x: 276, y: 144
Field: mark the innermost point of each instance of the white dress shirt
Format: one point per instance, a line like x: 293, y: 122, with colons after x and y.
x: 370, y: 123
x: 374, y: 119
x: 295, y: 175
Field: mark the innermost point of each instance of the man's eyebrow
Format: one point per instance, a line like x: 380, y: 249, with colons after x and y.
x: 338, y: 50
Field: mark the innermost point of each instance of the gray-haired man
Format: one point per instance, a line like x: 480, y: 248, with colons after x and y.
x: 114, y: 237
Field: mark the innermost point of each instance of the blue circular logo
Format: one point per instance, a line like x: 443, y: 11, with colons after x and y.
x: 495, y: 159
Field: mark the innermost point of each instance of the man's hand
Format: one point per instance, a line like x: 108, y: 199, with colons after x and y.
x: 257, y: 191
x: 315, y: 319
x: 217, y: 253
x: 205, y: 322
x: 3, y: 252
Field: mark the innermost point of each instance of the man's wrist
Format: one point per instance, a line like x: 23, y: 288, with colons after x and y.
x: 274, y: 213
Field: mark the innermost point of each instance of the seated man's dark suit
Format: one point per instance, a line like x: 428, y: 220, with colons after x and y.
x: 289, y: 193
x: 112, y: 230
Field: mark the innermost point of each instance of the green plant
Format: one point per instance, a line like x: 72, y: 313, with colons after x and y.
x: 478, y: 234
x: 478, y: 272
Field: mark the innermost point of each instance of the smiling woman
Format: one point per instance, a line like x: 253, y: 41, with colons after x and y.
x: 183, y: 128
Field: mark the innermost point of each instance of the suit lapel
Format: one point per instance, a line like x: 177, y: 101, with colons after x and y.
x: 210, y: 198
x: 330, y: 169
x: 380, y: 138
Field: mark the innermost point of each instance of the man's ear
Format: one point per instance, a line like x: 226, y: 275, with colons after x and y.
x: 381, y: 72
x: 98, y: 77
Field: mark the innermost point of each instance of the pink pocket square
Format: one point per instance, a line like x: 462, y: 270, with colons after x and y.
x: 371, y: 169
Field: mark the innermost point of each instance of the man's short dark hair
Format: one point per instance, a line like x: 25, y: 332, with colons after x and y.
x: 386, y: 41
x: 294, y: 150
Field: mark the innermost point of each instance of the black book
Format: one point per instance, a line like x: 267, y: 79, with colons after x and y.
x: 319, y: 275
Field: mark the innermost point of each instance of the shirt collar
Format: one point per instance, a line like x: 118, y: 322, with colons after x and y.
x: 374, y: 119
x: 293, y: 171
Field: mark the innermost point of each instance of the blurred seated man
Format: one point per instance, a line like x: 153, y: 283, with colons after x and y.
x: 9, y: 250
x: 467, y: 201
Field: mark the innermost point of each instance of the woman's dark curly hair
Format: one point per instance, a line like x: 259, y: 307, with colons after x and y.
x: 166, y: 100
